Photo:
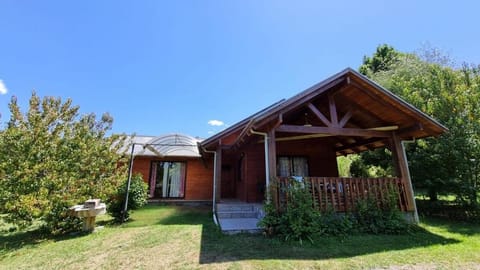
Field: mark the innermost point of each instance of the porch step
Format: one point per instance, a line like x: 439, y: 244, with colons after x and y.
x: 237, y: 214
x: 237, y: 207
x: 239, y: 217
x: 239, y: 225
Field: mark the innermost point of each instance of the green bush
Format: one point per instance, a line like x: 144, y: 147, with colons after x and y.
x: 137, y: 197
x: 299, y: 219
x: 335, y: 224
x: 381, y: 217
x: 59, y: 221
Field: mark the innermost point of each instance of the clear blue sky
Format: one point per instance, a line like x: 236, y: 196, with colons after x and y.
x: 172, y: 66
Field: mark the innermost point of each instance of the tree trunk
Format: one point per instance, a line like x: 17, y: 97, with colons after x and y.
x: 432, y: 194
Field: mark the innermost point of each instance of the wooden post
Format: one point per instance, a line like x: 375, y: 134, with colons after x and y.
x: 272, y: 155
x: 218, y: 173
x: 401, y: 166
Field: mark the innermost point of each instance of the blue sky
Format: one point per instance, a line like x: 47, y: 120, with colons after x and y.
x: 173, y: 66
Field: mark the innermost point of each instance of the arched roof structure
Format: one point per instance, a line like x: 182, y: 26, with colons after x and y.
x: 169, y: 145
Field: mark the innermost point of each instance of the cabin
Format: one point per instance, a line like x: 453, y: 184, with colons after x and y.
x: 302, y: 137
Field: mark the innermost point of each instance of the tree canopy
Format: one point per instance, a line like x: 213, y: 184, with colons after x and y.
x: 52, y: 158
x: 448, y: 164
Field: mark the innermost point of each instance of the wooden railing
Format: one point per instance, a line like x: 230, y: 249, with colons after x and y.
x: 343, y: 194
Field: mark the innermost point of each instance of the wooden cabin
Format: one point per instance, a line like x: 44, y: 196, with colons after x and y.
x: 301, y: 137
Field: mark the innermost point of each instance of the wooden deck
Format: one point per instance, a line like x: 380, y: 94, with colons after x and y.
x: 342, y: 194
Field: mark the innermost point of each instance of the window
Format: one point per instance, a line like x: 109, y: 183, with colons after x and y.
x: 292, y: 166
x: 167, y: 179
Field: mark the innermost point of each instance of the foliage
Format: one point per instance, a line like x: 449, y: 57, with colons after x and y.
x: 382, y: 60
x: 429, y: 81
x: 51, y: 158
x: 137, y: 197
x: 299, y: 219
x: 375, y: 163
x: 344, y: 165
x: 381, y: 217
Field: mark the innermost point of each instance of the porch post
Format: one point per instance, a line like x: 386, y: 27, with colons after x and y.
x: 218, y: 173
x: 272, y: 161
x: 401, y: 164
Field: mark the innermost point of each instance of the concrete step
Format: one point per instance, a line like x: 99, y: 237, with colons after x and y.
x: 239, y: 225
x: 235, y: 207
x: 237, y: 214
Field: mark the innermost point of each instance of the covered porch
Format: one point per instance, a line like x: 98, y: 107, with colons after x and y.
x: 302, y: 137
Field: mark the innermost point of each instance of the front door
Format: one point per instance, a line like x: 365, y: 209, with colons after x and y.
x: 228, y: 182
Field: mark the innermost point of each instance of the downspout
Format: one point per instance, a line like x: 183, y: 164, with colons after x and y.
x: 415, y: 213
x: 267, y: 169
x: 214, y: 183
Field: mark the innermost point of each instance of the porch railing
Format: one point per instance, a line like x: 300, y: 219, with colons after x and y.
x: 343, y: 194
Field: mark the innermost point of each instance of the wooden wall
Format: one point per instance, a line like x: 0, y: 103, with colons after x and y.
x: 199, y: 177
x: 322, y: 160
x: 321, y: 157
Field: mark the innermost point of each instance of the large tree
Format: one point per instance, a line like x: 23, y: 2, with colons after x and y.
x: 447, y: 164
x: 52, y: 158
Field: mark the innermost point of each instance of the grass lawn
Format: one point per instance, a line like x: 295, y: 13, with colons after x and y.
x: 168, y: 237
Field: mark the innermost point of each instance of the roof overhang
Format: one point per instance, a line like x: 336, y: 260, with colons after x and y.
x: 367, y: 115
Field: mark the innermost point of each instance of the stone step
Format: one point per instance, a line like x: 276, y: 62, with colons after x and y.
x: 235, y: 207
x: 239, y: 225
x: 237, y: 214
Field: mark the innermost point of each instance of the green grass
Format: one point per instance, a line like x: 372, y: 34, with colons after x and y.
x: 168, y: 237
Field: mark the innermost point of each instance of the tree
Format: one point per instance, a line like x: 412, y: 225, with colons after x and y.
x: 447, y: 164
x: 51, y: 158
x: 382, y: 60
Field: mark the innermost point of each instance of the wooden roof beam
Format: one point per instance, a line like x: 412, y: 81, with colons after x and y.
x: 380, y: 100
x: 413, y: 128
x: 319, y: 114
x: 333, y: 131
x: 359, y: 143
x: 333, y: 111
x: 345, y: 118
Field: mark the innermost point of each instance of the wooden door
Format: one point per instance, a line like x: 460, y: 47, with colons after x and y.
x: 228, y: 182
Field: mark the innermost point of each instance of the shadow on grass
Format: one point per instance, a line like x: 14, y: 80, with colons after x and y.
x: 460, y: 227
x: 20, y: 239
x: 217, y: 247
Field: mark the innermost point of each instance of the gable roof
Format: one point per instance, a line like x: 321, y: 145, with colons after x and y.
x: 374, y: 107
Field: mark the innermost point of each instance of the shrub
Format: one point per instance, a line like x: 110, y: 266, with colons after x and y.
x: 381, y: 217
x: 299, y: 219
x: 335, y: 224
x: 59, y: 221
x: 137, y: 197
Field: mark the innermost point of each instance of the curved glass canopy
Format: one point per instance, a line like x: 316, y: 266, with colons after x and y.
x: 170, y: 145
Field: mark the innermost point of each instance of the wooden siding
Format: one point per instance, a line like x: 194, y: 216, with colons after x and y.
x: 319, y: 152
x: 199, y: 175
x: 343, y: 194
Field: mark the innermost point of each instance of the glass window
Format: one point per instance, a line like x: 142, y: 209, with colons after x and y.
x: 292, y: 166
x: 167, y: 179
